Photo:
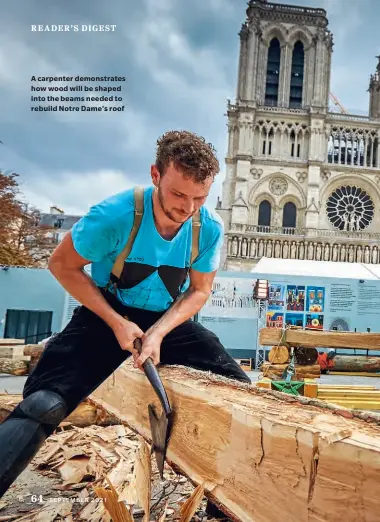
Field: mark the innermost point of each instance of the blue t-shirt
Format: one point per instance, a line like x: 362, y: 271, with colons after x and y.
x: 155, y: 268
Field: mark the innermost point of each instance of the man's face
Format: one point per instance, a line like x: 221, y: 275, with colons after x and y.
x: 180, y: 197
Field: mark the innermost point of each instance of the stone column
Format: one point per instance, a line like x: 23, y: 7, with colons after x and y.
x: 285, y: 75
x: 242, y: 68
x: 261, y: 71
x: 319, y: 69
x: 251, y: 69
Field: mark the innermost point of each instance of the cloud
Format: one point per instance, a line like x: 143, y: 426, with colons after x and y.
x: 67, y: 192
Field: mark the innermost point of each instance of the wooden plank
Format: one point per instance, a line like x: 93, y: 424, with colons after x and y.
x: 260, y: 456
x: 11, y: 351
x: 356, y: 374
x: 325, y: 339
x: 9, y: 342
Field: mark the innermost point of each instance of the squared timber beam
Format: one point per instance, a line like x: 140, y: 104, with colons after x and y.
x: 262, y: 456
x: 322, y: 339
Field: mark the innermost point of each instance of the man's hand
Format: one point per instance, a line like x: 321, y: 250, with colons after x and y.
x: 151, y: 347
x: 126, y: 332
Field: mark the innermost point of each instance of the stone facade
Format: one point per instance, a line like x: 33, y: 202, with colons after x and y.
x: 301, y: 182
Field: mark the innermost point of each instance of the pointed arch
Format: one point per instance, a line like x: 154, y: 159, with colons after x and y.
x: 265, y: 213
x: 302, y: 34
x: 289, y: 215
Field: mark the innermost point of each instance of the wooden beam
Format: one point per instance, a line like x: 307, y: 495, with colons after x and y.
x: 9, y: 342
x: 322, y: 339
x: 261, y: 455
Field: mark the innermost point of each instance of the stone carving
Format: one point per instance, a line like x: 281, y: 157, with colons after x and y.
x: 366, y: 255
x: 254, y: 248
x: 278, y: 186
x: 293, y: 250
x: 256, y: 173
x: 301, y: 176
x: 326, y: 255
x: 325, y: 175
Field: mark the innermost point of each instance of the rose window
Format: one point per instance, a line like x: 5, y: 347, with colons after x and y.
x: 350, y: 208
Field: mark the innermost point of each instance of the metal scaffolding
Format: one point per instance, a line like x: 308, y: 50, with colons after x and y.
x: 262, y: 306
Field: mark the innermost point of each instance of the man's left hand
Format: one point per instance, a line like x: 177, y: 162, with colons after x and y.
x: 151, y: 347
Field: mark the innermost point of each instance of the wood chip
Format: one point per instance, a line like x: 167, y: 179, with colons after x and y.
x: 338, y: 435
x: 72, y: 471
x: 188, y: 509
x: 118, y: 510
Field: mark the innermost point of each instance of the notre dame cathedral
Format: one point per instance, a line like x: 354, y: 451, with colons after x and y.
x: 302, y: 181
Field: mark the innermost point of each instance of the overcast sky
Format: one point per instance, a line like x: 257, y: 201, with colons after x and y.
x: 180, y: 62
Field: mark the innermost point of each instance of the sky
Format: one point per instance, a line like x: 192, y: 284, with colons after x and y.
x: 179, y: 60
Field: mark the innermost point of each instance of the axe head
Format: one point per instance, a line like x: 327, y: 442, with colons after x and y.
x: 160, y: 428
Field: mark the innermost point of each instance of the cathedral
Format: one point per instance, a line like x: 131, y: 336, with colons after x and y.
x: 302, y: 181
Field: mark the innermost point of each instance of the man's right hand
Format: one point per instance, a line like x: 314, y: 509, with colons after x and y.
x: 126, y: 332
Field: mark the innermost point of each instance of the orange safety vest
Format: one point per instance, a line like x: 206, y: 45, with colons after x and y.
x: 324, y: 362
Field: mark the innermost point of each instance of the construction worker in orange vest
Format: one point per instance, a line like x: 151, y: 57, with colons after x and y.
x: 326, y: 360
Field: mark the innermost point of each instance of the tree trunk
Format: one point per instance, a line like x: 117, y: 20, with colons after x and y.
x: 278, y: 355
x: 356, y: 363
x: 260, y: 455
x: 85, y: 414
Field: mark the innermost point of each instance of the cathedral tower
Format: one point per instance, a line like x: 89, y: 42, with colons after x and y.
x: 301, y: 181
x: 374, y: 93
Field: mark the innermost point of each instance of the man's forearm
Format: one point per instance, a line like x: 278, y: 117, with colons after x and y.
x: 187, y: 305
x: 83, y: 289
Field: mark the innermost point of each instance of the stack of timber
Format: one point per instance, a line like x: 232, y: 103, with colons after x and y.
x: 18, y: 358
x: 344, y: 364
x: 279, y: 357
x: 259, y: 455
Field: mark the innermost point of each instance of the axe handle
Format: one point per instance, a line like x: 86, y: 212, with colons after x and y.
x: 154, y: 379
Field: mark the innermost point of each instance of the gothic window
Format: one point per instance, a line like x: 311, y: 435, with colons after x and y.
x: 265, y: 211
x: 296, y: 81
x: 273, y: 73
x: 289, y: 215
x: 350, y: 208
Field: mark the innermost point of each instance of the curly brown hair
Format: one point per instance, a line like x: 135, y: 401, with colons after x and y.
x: 189, y: 153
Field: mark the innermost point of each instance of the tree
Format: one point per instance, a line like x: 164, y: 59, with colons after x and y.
x: 21, y: 235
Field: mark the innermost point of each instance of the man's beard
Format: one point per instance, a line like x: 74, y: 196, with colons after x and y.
x: 167, y: 212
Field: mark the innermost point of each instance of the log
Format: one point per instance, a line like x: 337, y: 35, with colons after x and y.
x: 86, y: 413
x: 306, y: 356
x: 301, y: 372
x: 322, y: 339
x: 356, y: 363
x: 278, y: 355
x: 34, y: 350
x: 260, y: 455
x: 14, y: 367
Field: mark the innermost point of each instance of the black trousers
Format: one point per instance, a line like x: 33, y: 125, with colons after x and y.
x: 77, y: 360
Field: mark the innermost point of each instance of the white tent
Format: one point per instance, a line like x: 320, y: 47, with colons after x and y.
x: 328, y: 269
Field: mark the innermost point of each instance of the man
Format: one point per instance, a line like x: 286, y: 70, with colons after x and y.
x: 326, y: 360
x: 153, y: 297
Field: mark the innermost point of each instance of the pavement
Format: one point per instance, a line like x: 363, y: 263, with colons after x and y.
x: 12, y: 384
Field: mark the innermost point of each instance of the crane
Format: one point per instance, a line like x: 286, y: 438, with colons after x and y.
x: 337, y: 103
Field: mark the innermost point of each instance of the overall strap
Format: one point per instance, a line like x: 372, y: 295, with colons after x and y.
x: 196, y: 227
x: 139, y: 211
